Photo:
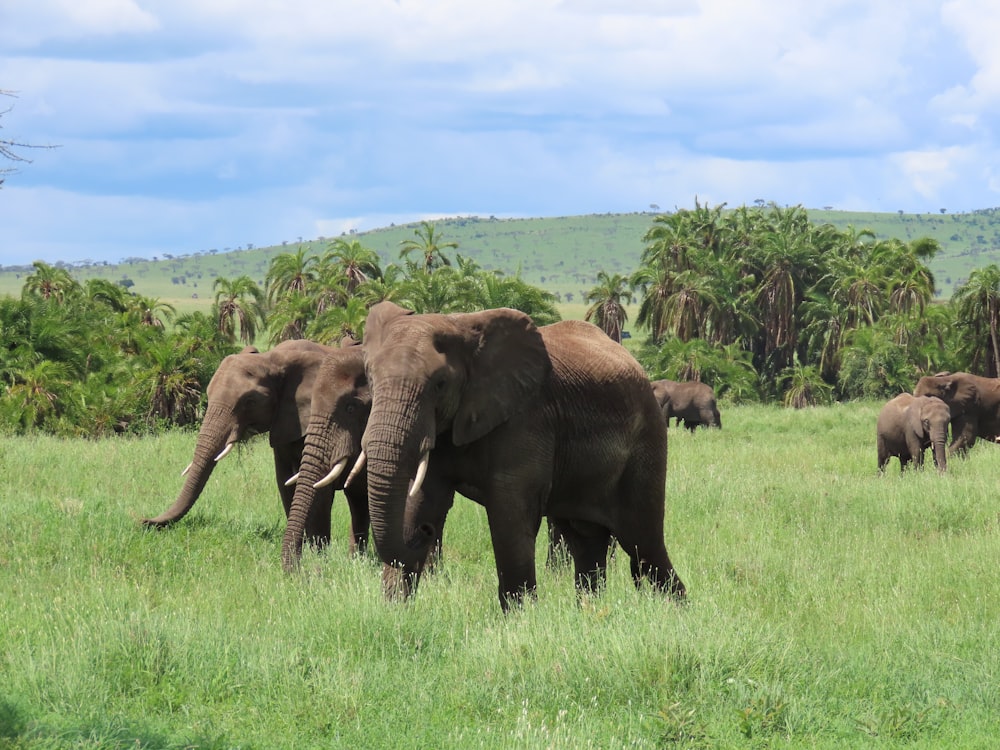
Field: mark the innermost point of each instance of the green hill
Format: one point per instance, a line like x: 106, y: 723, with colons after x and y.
x: 560, y: 254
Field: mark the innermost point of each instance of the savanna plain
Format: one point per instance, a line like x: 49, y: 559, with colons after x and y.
x: 828, y: 607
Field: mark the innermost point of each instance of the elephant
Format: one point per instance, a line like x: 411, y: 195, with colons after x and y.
x: 339, y: 412
x: 690, y: 401
x: 254, y: 392
x: 338, y: 416
x: 907, y: 425
x: 974, y: 402
x: 556, y: 421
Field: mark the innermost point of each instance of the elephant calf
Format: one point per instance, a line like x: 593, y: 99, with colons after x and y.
x: 908, y: 425
x: 691, y: 401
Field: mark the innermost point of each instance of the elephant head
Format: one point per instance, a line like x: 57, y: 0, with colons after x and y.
x: 974, y: 404
x: 338, y: 415
x: 930, y: 417
x: 252, y: 392
x: 958, y: 392
x: 463, y: 374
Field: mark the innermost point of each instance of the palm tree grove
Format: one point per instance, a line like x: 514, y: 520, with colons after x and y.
x: 759, y: 302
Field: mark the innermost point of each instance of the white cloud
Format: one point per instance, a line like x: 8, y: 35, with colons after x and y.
x: 258, y: 121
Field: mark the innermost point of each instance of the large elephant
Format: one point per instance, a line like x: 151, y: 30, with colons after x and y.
x: 557, y: 421
x: 254, y: 392
x: 690, y: 401
x: 330, y: 457
x: 974, y: 402
x: 908, y: 425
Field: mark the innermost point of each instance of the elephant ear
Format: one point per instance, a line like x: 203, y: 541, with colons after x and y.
x: 293, y: 374
x: 379, y: 318
x: 508, y: 366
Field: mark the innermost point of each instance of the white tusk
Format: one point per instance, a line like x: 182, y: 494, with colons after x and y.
x: 358, y: 466
x: 418, y: 480
x: 292, y: 479
x: 334, y: 473
x: 187, y: 469
x: 225, y: 452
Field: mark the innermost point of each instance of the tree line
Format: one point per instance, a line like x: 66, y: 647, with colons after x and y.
x: 758, y: 302
x: 765, y: 305
x: 93, y: 359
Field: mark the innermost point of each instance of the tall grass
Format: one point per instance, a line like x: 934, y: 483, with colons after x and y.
x: 828, y: 607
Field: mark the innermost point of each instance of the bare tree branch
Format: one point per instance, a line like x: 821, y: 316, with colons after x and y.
x: 9, y: 148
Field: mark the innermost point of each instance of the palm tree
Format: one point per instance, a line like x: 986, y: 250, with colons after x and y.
x: 427, y: 245
x: 977, y: 302
x: 355, y: 262
x: 290, y: 317
x: 150, y: 311
x: 291, y: 273
x: 609, y: 298
x: 240, y: 306
x: 50, y: 282
x: 169, y: 383
x: 113, y: 295
x: 37, y: 392
x: 493, y: 290
x: 337, y: 322
x: 442, y: 291
x: 386, y: 288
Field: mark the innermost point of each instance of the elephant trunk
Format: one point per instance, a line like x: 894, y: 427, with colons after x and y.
x: 395, y: 444
x: 216, y: 435
x: 314, y: 467
x: 939, y: 443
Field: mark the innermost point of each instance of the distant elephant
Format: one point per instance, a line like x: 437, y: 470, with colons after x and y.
x: 557, y: 421
x: 254, y: 392
x: 974, y: 402
x: 908, y: 425
x: 690, y: 401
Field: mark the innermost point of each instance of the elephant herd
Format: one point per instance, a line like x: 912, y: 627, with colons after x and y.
x: 556, y: 421
x: 910, y: 423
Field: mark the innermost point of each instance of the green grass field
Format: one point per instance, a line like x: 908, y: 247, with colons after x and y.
x: 828, y: 608
x: 559, y: 254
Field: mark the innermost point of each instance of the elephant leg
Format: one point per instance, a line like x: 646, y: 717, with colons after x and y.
x: 963, y: 432
x: 514, y: 552
x: 357, y: 504
x: 558, y: 553
x: 883, y: 454
x: 317, y: 528
x: 286, y: 464
x: 916, y: 451
x: 649, y: 559
x: 588, y: 544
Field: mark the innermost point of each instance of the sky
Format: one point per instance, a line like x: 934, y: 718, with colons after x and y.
x: 183, y: 126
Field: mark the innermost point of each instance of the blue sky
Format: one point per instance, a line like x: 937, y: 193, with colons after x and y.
x: 189, y: 125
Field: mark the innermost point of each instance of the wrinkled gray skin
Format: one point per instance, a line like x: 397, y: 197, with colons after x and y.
x: 692, y: 402
x: 974, y: 402
x: 908, y: 425
x: 338, y: 415
x: 557, y: 421
x: 254, y: 392
x: 341, y: 404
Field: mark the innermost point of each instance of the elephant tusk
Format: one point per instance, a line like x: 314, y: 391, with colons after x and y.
x: 418, y: 480
x: 292, y: 479
x: 358, y: 466
x: 334, y: 473
x: 225, y: 452
x: 187, y: 469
